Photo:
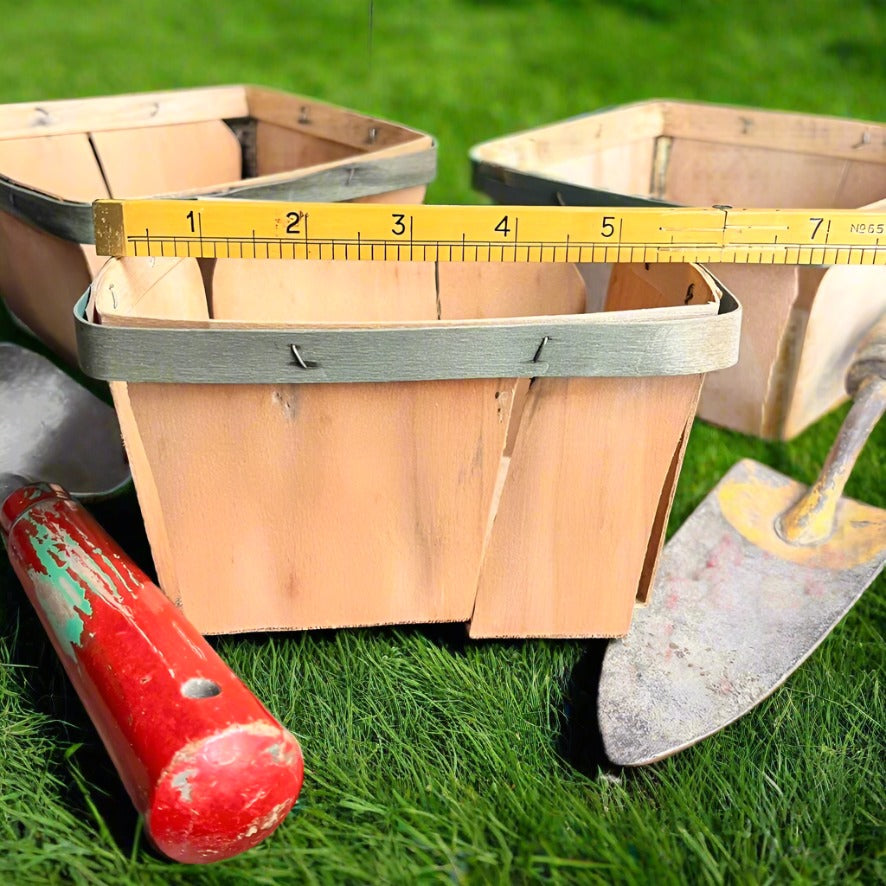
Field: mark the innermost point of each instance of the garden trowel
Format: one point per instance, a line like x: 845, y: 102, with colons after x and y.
x: 747, y: 588
x: 207, y: 765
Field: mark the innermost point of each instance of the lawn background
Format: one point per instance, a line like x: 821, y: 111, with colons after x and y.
x: 429, y: 759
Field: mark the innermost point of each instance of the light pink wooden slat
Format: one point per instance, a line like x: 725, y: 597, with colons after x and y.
x: 156, y: 160
x: 569, y: 542
x: 590, y: 479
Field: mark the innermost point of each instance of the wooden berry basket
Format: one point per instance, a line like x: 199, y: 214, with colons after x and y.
x: 801, y: 325
x: 331, y: 444
x: 57, y: 157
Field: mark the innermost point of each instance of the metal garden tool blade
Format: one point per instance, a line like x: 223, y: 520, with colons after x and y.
x: 53, y: 429
x: 747, y: 589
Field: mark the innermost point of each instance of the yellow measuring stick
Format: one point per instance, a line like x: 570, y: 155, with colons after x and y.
x: 216, y: 228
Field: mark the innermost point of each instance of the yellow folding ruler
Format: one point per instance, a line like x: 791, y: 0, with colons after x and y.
x: 216, y: 228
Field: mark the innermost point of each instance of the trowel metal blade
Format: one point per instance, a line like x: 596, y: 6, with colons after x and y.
x: 734, y: 611
x: 54, y: 430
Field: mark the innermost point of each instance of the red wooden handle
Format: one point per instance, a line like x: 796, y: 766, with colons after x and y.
x: 207, y: 765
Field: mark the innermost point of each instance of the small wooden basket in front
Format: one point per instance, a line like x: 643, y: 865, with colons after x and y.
x: 527, y: 503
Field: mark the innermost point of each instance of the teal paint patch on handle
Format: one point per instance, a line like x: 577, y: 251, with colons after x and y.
x: 62, y: 597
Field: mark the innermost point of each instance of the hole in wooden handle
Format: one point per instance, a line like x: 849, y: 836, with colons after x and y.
x: 200, y: 687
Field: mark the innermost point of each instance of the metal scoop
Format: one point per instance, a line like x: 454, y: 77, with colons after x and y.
x: 748, y: 587
x: 207, y: 765
x: 53, y: 429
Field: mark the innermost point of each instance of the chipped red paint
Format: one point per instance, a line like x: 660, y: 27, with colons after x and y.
x: 207, y: 765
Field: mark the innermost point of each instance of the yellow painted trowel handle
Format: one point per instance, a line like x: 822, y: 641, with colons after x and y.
x: 811, y: 519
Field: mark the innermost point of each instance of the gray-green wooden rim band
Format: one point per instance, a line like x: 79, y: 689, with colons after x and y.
x: 544, y: 346
x: 72, y: 220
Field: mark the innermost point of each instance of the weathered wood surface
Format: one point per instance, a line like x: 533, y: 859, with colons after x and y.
x: 793, y: 352
x: 527, y: 509
x: 164, y: 142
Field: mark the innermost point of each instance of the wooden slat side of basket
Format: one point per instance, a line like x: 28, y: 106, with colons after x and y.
x: 616, y: 146
x: 829, y: 333
x: 794, y: 133
x: 281, y: 149
x: 154, y: 291
x: 162, y: 159
x: 63, y: 116
x: 582, y: 511
x: 543, y: 149
x: 323, y: 120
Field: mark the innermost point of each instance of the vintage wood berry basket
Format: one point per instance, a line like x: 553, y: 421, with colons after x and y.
x: 326, y: 444
x: 801, y: 324
x: 56, y: 157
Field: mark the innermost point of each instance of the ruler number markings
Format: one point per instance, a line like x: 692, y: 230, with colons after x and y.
x: 749, y: 235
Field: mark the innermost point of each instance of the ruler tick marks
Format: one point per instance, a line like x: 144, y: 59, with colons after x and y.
x: 664, y: 234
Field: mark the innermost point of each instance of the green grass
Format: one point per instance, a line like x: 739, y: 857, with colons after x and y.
x: 429, y: 759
